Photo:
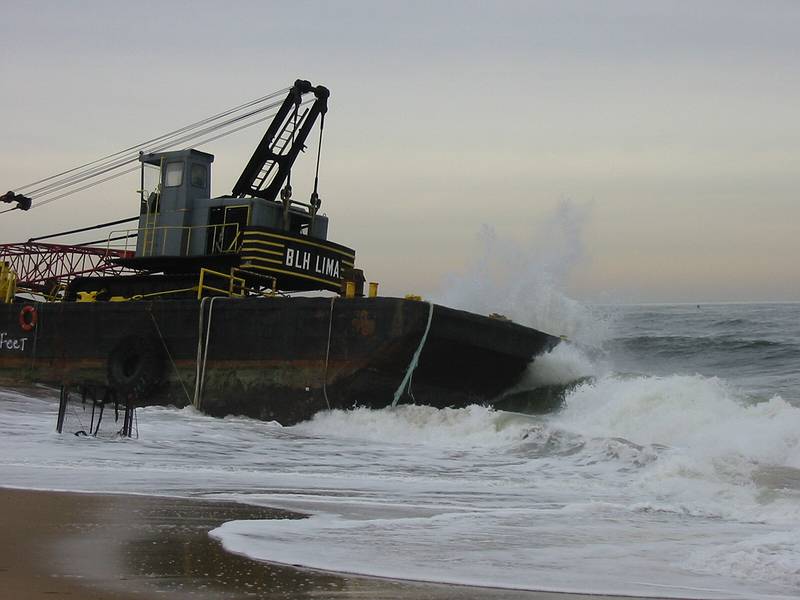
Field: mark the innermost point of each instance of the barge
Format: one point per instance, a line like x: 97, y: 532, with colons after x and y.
x: 204, y: 309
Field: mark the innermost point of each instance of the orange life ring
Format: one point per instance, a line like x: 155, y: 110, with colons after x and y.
x: 28, y: 317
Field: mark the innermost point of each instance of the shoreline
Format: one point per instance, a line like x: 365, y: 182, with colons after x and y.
x: 125, y: 546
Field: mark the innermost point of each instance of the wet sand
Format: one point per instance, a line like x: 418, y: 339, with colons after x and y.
x: 119, y: 547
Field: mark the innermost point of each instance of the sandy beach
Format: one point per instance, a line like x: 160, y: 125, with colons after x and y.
x: 120, y: 547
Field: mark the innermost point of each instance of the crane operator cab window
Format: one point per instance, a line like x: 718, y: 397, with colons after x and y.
x: 151, y: 187
x: 199, y: 176
x: 173, y: 174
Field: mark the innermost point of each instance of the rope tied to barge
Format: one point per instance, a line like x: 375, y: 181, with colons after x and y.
x: 169, y: 355
x: 202, y: 351
x: 327, y: 355
x: 405, y: 384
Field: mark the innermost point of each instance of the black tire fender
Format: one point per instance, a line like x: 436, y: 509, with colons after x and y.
x: 136, y: 366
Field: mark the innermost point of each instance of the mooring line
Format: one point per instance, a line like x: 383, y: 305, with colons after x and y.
x: 202, y: 351
x: 199, y: 351
x: 205, y: 350
x: 169, y: 355
x: 406, y: 382
x: 327, y: 355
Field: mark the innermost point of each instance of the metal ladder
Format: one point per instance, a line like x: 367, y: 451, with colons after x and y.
x: 149, y: 233
x: 281, y: 143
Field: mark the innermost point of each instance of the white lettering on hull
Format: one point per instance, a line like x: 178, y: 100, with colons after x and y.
x: 13, y: 344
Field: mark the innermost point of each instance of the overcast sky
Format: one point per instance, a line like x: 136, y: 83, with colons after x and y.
x: 649, y: 151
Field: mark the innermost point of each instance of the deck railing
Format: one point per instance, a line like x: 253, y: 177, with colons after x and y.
x: 150, y: 237
x: 8, y: 283
x: 221, y: 283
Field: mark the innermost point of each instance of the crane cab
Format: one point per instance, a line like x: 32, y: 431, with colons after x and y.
x: 172, y: 182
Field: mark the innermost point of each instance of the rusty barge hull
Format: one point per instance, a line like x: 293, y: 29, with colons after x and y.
x: 280, y: 359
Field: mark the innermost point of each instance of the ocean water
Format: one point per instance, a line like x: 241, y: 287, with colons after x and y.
x: 672, y: 468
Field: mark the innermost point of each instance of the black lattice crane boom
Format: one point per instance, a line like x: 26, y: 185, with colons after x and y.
x: 271, y: 163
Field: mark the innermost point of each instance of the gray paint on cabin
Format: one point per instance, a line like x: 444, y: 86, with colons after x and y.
x: 180, y: 226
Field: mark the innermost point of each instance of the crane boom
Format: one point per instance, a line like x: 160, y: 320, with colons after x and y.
x: 274, y: 156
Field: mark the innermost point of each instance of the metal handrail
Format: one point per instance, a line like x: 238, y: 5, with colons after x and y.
x: 236, y: 285
x: 8, y: 283
x: 167, y: 230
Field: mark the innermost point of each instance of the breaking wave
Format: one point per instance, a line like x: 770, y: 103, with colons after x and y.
x: 694, y: 444
x: 473, y: 426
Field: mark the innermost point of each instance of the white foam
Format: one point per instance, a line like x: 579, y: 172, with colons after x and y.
x: 490, y: 549
x: 714, y: 441
x: 611, y: 495
x: 566, y: 363
x: 473, y: 426
x: 771, y: 558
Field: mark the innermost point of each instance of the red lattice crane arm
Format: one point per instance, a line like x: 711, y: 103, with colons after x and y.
x: 41, y: 266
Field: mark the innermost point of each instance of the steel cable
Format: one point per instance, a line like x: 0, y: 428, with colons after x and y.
x: 163, y: 136
x: 159, y: 149
x: 108, y: 166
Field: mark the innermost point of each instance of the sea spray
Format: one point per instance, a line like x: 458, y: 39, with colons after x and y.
x: 564, y: 364
x: 525, y: 281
